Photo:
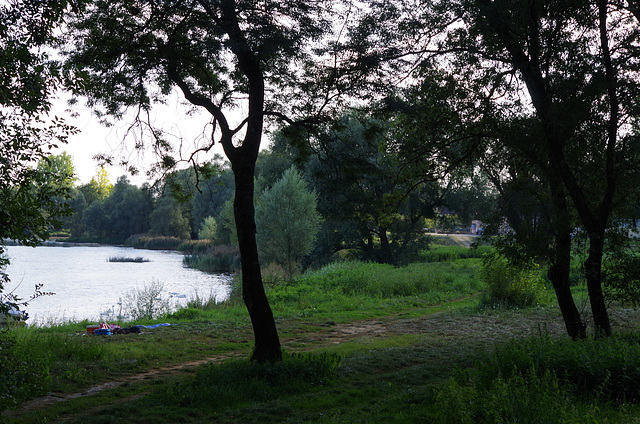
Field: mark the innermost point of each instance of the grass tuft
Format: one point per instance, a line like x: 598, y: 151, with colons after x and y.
x: 138, y: 259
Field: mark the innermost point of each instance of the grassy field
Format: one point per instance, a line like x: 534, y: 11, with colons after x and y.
x: 364, y: 343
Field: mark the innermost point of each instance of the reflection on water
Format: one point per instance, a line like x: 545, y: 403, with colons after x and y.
x: 88, y: 286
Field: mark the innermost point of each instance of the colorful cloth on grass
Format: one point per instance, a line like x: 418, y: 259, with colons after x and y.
x: 154, y: 326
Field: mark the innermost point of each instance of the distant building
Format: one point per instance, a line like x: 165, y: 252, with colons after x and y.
x: 476, y: 227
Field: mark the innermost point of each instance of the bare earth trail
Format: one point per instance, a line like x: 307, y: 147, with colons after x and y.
x: 439, y: 329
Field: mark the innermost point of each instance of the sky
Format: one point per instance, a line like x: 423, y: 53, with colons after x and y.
x: 94, y: 138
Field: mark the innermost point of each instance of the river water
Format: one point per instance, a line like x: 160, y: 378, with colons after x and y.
x: 88, y: 286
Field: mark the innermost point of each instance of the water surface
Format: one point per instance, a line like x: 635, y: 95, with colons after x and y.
x: 88, y: 286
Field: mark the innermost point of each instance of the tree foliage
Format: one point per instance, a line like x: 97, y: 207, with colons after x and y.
x: 29, y: 197
x: 287, y: 220
x: 522, y: 63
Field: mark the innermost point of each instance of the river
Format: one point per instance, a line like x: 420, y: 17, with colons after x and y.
x: 88, y: 286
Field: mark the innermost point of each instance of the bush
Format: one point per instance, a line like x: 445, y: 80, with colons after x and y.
x: 510, y: 284
x: 543, y: 380
x: 622, y: 278
x: 194, y: 246
x: 146, y: 303
x: 217, y: 259
x: 607, y: 367
x: 522, y: 398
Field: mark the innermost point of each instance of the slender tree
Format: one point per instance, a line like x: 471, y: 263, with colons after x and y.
x: 287, y: 221
x: 581, y: 90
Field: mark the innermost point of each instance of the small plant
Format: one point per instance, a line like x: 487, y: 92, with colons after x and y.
x: 202, y: 303
x: 138, y: 259
x: 146, y: 303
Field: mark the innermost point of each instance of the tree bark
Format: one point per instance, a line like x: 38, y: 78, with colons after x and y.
x: 243, y: 161
x: 593, y: 270
x: 267, y: 343
x: 386, y: 256
x: 561, y: 261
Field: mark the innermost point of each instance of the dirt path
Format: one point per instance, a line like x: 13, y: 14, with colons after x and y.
x: 45, y: 401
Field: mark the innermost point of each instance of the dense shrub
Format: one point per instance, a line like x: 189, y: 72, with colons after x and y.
x: 517, y: 285
x: 194, y: 246
x: 216, y: 259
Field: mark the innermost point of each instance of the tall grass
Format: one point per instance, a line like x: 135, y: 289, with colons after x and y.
x: 143, y: 241
x: 194, y: 246
x: 349, y: 286
x: 137, y: 259
x: 447, y: 253
x: 541, y: 379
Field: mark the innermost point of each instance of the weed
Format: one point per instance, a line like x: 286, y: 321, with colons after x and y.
x: 146, y: 302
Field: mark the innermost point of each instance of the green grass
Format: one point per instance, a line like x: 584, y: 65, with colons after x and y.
x: 444, y: 253
x: 348, y: 289
x: 418, y: 349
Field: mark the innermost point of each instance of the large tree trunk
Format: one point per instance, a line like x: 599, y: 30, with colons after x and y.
x: 593, y: 270
x: 559, y: 275
x: 561, y: 260
x: 243, y: 162
x: 386, y: 256
x: 267, y: 342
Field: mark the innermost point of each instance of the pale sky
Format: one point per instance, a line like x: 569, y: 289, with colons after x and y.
x: 95, y: 138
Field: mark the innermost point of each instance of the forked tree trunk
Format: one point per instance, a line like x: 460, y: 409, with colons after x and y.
x: 561, y: 261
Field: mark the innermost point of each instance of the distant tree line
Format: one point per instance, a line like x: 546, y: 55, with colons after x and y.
x: 347, y: 196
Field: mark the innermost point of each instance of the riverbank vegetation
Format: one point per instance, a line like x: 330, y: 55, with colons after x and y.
x: 363, y: 342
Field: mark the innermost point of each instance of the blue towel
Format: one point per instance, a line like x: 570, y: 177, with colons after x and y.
x: 154, y: 326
